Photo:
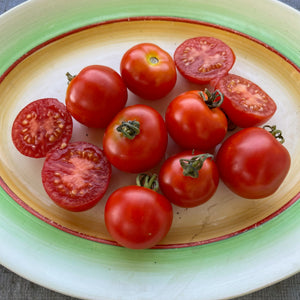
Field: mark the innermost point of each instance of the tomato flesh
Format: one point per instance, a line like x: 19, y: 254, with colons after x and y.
x: 40, y: 126
x: 76, y: 177
x: 138, y: 217
x: 252, y: 163
x: 245, y: 103
x: 201, y: 59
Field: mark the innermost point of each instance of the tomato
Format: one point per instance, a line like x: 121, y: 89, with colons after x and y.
x: 201, y: 59
x: 194, y: 121
x: 41, y: 126
x: 76, y: 177
x: 252, y: 163
x: 136, y: 139
x: 245, y: 103
x: 148, y: 71
x: 137, y: 217
x: 189, y: 178
x: 95, y: 95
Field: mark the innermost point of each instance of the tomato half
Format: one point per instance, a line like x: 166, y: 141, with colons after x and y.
x: 245, y: 103
x: 96, y: 95
x: 40, y: 126
x: 194, y: 121
x: 189, y: 178
x: 138, y: 217
x: 252, y: 163
x: 201, y: 59
x: 148, y: 71
x: 76, y: 177
x: 136, y: 139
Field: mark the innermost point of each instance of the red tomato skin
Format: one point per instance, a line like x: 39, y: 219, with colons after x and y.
x: 40, y: 126
x: 185, y: 191
x: 137, y: 217
x: 96, y: 95
x: 146, y: 150
x: 76, y: 177
x: 144, y: 78
x: 252, y: 163
x: 234, y: 104
x: 201, y: 59
x: 192, y: 124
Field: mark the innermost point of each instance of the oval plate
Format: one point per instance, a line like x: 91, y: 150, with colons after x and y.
x: 44, y: 254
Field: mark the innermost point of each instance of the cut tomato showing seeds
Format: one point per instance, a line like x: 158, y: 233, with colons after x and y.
x: 201, y: 59
x: 41, y: 126
x: 245, y: 103
x: 76, y: 177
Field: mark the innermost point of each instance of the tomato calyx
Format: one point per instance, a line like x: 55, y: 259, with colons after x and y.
x: 275, y: 132
x: 70, y: 77
x: 212, y: 99
x: 129, y: 129
x: 147, y: 181
x: 192, y: 166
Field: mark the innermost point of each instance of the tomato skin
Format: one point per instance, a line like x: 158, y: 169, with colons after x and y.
x: 148, y: 71
x: 146, y: 149
x: 252, y: 163
x: 202, y: 59
x: 138, y: 217
x: 76, y: 177
x: 186, y: 191
x: 40, y: 126
x: 96, y: 95
x: 192, y: 124
x: 245, y: 103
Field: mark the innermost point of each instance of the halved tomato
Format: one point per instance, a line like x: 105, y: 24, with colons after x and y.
x: 201, y: 59
x: 76, y: 177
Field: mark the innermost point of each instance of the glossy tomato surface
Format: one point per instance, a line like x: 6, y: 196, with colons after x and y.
x: 252, y: 163
x: 76, y: 177
x: 148, y: 71
x: 192, y: 124
x: 40, y: 126
x: 202, y: 59
x: 138, y: 217
x: 245, y: 103
x: 147, y: 145
x: 96, y: 95
x: 185, y: 190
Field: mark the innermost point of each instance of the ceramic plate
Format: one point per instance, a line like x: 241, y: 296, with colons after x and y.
x: 212, y: 251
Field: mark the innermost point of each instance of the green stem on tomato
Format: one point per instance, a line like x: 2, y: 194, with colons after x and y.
x: 192, y: 166
x: 275, y: 132
x: 212, y: 100
x: 70, y: 77
x: 147, y: 181
x: 130, y: 129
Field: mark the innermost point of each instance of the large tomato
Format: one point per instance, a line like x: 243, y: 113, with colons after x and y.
x: 136, y: 139
x: 76, y: 177
x: 202, y: 59
x: 189, y: 178
x: 253, y: 163
x: 148, y: 71
x: 95, y: 95
x: 245, y: 103
x: 138, y: 217
x: 194, y: 120
x: 40, y: 126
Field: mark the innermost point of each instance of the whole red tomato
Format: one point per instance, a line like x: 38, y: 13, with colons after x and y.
x: 253, y: 163
x: 148, y: 71
x: 194, y: 120
x: 96, y: 95
x: 189, y: 178
x: 245, y: 103
x: 136, y: 139
x: 138, y: 217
